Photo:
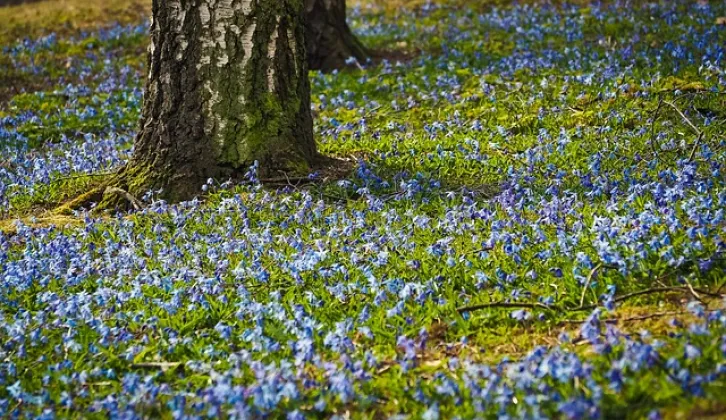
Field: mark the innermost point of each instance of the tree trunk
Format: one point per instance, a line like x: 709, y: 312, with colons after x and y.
x: 227, y: 85
x: 330, y: 41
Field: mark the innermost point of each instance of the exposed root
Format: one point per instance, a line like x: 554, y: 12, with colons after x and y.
x: 115, y: 193
x: 93, y: 196
x: 107, y: 195
x: 138, y: 205
x: 120, y: 192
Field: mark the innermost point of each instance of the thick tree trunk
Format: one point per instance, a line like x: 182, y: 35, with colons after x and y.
x: 330, y: 41
x: 227, y: 86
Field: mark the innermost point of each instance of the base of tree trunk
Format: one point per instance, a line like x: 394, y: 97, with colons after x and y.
x: 124, y: 191
x: 329, y: 40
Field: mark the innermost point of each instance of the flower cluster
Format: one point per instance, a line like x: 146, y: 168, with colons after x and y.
x: 534, y: 229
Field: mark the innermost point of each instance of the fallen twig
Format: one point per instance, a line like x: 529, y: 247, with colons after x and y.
x: 464, y: 309
x: 285, y: 180
x: 716, y: 294
x: 484, y: 249
x: 536, y: 305
x: 692, y: 291
x: 720, y: 287
x: 652, y: 128
x: 693, y: 92
x: 650, y: 291
x: 629, y: 319
x: 587, y: 283
x: 685, y: 118
x: 695, y: 147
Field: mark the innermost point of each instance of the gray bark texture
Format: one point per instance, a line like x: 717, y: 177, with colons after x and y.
x: 330, y: 42
x: 227, y: 85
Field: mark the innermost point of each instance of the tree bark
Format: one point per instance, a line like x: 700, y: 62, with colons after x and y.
x: 227, y: 86
x: 330, y: 42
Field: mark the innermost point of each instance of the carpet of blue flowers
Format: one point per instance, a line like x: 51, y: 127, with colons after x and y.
x: 535, y: 228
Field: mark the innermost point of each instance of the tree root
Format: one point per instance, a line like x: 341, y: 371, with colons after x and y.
x: 617, y: 299
x: 138, y: 205
x: 93, y: 196
x: 121, y: 191
x: 106, y: 196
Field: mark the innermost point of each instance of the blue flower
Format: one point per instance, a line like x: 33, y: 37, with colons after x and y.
x: 692, y: 352
x: 520, y: 315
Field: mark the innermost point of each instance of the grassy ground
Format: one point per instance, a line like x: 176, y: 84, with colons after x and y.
x: 541, y: 161
x: 67, y: 17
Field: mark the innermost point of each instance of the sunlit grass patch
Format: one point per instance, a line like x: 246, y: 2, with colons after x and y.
x: 68, y: 17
